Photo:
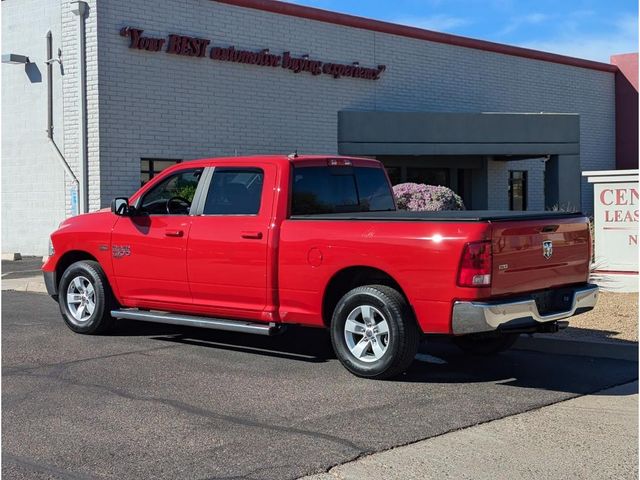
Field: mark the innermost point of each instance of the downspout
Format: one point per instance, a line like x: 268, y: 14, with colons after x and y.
x: 59, y: 155
x: 80, y: 10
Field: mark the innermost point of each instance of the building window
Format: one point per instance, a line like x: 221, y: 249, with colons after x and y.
x: 149, y: 167
x: 517, y: 190
x: 429, y: 176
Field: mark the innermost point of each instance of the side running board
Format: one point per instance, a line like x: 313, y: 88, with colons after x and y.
x: 202, y: 322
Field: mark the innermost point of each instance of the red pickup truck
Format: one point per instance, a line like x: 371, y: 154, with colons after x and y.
x: 255, y: 244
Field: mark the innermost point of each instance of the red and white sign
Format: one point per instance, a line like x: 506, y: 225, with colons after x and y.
x: 616, y: 216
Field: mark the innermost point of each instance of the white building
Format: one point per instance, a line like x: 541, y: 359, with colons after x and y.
x: 159, y: 84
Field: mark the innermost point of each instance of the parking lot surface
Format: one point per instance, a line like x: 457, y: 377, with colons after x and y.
x: 154, y: 401
x: 26, y: 267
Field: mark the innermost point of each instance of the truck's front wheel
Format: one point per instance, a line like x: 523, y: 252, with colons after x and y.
x: 85, y: 298
x: 373, y: 332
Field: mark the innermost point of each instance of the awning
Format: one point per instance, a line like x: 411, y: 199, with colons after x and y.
x: 430, y: 133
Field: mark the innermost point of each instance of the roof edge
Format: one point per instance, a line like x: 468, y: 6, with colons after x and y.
x: 326, y: 16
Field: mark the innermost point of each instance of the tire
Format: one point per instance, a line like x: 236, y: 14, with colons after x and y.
x: 85, y: 298
x: 384, y: 355
x: 485, y: 343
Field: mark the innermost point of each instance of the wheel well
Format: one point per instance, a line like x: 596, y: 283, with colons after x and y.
x: 69, y: 258
x: 350, y: 278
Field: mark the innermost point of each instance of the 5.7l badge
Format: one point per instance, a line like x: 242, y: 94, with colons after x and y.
x: 119, y: 251
x: 547, y: 249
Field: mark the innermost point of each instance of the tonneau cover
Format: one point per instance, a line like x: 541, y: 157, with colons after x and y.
x: 443, y: 216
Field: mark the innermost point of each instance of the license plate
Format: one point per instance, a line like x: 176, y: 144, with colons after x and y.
x: 553, y: 301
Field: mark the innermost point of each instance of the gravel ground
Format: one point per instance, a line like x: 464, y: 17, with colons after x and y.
x: 615, y: 318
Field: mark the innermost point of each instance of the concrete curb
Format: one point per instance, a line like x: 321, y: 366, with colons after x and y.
x: 603, y: 424
x: 33, y: 284
x: 583, y: 348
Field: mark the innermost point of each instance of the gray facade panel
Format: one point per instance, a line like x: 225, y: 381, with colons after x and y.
x: 435, y: 148
x: 458, y: 128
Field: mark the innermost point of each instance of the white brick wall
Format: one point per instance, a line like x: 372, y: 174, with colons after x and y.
x: 143, y: 104
x: 32, y: 179
x: 71, y: 85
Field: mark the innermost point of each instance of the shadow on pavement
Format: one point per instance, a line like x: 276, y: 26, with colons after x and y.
x: 515, y: 368
x: 591, y: 334
x: 297, y: 343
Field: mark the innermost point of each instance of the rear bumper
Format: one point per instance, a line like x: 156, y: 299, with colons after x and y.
x: 476, y: 317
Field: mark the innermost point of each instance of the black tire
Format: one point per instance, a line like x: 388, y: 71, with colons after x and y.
x: 485, y: 343
x: 98, y: 321
x: 401, y: 341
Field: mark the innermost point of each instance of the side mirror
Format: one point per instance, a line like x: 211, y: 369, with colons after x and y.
x: 120, y: 206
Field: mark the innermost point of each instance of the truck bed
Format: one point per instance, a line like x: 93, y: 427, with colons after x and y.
x: 443, y: 216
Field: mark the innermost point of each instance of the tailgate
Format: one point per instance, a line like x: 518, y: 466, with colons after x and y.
x: 533, y: 255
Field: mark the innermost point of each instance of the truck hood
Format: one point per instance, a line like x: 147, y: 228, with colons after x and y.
x: 101, y: 219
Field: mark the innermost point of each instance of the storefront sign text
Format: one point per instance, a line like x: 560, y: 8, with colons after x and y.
x: 618, y: 207
x: 616, y: 225
x: 200, y: 47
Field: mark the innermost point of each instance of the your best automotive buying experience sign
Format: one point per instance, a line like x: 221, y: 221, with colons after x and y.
x: 188, y: 46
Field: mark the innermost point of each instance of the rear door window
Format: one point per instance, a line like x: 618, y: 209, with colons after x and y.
x: 234, y: 191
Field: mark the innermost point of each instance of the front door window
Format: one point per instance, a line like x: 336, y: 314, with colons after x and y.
x: 173, y: 195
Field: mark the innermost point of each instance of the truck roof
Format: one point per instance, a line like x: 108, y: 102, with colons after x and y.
x: 308, y: 160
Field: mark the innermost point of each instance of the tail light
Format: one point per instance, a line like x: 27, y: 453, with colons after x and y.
x: 475, y: 265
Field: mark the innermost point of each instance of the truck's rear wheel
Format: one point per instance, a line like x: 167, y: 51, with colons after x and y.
x: 373, y: 332
x: 485, y: 343
x: 85, y: 298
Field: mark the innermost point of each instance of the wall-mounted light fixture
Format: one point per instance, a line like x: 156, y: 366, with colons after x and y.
x: 15, y: 58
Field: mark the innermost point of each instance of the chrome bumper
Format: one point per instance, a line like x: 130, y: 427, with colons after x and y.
x: 476, y: 317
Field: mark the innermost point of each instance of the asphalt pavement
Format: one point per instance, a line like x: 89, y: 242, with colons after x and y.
x: 26, y: 267
x: 155, y: 401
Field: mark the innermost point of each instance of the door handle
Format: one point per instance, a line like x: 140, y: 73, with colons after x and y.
x: 253, y: 235
x: 173, y: 233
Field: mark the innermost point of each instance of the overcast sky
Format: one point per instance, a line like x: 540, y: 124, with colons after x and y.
x: 592, y: 29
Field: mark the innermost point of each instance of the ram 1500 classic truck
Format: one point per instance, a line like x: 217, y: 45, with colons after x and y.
x: 255, y: 244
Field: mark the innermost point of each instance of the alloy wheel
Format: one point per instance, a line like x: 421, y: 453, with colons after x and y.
x: 81, y: 300
x: 366, y: 332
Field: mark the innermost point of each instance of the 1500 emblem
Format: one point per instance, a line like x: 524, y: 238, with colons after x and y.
x: 119, y: 251
x: 547, y: 249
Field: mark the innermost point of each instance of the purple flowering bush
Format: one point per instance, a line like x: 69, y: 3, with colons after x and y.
x: 417, y: 197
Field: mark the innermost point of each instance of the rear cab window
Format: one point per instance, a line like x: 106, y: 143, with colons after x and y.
x: 340, y: 189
